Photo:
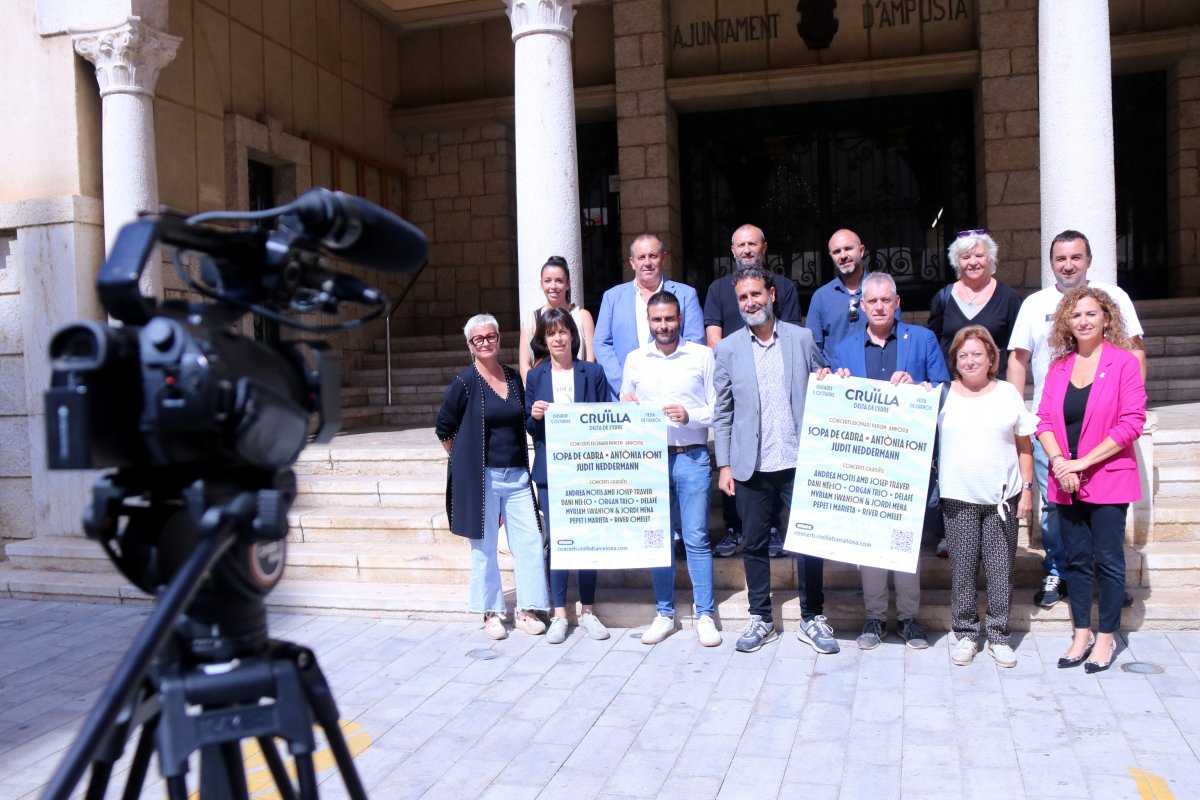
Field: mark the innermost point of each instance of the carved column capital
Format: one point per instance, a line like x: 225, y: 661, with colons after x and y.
x: 540, y: 16
x: 128, y: 57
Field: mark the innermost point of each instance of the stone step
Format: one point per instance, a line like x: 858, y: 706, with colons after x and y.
x: 456, y: 356
x: 364, y: 526
x: 1177, y: 444
x: 1176, y: 519
x: 372, y: 374
x: 363, y: 491
x: 1176, y: 479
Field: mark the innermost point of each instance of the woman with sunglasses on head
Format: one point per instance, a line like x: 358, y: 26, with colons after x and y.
x: 556, y: 285
x: 482, y: 426
x: 978, y: 297
x: 561, y: 378
x: 1093, y: 409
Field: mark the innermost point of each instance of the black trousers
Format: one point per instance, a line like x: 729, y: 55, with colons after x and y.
x: 760, y: 501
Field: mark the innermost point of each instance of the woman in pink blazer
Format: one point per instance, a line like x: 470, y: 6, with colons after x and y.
x: 1093, y: 410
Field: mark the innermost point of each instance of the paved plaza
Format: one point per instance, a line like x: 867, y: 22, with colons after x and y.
x: 428, y: 718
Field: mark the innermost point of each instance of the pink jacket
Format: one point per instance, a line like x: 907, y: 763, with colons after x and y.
x: 1116, y: 408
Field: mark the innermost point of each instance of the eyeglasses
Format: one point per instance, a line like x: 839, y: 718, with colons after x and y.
x: 480, y: 341
x: 972, y: 232
x: 853, y: 315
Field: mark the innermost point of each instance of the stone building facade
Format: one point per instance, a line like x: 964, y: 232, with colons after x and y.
x: 411, y: 105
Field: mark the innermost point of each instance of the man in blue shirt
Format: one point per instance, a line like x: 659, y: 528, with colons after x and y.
x: 887, y: 350
x: 621, y: 325
x: 836, y: 307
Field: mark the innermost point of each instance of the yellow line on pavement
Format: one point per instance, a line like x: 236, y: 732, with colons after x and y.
x: 1151, y: 786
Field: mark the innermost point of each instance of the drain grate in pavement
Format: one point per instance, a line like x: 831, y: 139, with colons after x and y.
x: 1142, y: 668
x: 482, y: 655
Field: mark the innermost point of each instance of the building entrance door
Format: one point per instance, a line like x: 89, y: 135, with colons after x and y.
x: 897, y: 170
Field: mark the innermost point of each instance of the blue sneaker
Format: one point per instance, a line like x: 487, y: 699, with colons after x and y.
x: 730, y: 545
x: 756, y: 634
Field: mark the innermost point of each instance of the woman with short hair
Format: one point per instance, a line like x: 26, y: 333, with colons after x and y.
x: 482, y: 426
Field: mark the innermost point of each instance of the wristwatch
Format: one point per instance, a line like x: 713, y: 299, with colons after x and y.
x: 1027, y: 485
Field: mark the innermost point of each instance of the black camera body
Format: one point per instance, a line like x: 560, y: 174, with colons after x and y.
x: 198, y: 425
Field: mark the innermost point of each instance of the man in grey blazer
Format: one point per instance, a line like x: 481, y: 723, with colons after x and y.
x: 761, y: 380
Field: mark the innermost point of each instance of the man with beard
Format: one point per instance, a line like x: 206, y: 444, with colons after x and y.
x: 1070, y: 258
x: 835, y: 310
x: 677, y: 376
x: 762, y: 373
x: 721, y: 318
x: 621, y: 324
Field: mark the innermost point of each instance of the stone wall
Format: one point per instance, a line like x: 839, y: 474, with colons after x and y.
x: 1006, y: 135
x: 647, y: 130
x: 462, y: 193
x: 1183, y: 175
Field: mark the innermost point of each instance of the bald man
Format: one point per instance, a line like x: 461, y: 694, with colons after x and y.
x: 835, y: 311
x: 722, y: 318
x: 721, y: 315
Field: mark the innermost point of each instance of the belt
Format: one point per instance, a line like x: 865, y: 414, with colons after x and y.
x: 676, y: 449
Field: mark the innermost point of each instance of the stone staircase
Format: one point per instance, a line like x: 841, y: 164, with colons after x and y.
x: 369, y: 536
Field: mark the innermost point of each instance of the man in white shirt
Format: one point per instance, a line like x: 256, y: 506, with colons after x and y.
x: 677, y: 376
x: 1070, y: 258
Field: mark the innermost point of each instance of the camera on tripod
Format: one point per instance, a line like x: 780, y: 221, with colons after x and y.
x: 199, y: 427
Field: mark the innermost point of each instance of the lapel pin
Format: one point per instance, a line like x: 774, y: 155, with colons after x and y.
x: 1101, y: 374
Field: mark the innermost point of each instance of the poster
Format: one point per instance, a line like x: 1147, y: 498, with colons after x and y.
x: 609, y: 489
x: 863, y: 472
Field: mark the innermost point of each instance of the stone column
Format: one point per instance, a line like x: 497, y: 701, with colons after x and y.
x: 547, y: 163
x: 128, y: 59
x: 1075, y: 112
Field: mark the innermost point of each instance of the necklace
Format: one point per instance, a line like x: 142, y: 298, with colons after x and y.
x: 971, y: 300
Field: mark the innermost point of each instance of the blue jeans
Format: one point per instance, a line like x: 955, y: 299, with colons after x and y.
x: 507, y: 491
x: 586, y: 578
x: 691, y: 483
x: 1055, y: 562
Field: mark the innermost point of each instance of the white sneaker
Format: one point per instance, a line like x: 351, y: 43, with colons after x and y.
x: 1003, y: 654
x: 706, y: 629
x: 556, y: 633
x: 592, y: 626
x: 661, y: 628
x: 964, y: 652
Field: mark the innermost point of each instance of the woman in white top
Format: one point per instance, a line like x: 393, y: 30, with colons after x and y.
x: 561, y: 378
x: 985, y: 469
x: 556, y: 285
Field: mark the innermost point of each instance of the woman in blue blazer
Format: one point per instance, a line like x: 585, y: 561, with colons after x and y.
x: 560, y: 378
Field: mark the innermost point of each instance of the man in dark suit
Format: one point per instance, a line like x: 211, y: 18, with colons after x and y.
x: 896, y: 352
x: 761, y: 381
x: 622, y: 327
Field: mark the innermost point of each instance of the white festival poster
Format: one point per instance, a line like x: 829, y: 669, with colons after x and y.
x: 862, y: 473
x: 608, y: 484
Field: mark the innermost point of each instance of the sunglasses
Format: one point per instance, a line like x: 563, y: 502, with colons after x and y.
x: 853, y: 315
x: 480, y: 341
x: 973, y: 232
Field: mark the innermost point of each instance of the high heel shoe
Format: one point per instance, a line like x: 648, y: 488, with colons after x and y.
x: 1067, y: 662
x: 1091, y: 667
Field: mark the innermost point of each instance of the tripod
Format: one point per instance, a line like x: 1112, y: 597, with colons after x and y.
x: 202, y: 674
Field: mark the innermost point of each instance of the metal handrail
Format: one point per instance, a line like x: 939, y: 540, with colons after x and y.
x: 387, y: 328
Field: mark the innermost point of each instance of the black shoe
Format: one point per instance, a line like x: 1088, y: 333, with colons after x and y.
x: 775, y: 544
x: 1053, y: 591
x: 1067, y: 663
x: 1092, y: 666
x: 1127, y: 601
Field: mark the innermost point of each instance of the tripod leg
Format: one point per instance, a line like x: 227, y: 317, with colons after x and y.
x: 278, y: 771
x: 177, y: 788
x: 157, y: 630
x: 306, y: 776
x: 326, y: 713
x: 141, y: 760
x: 222, y: 773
